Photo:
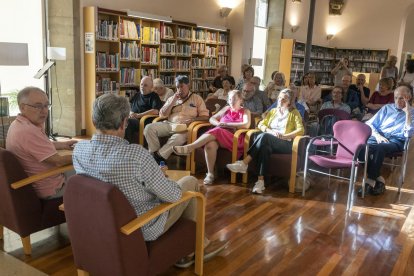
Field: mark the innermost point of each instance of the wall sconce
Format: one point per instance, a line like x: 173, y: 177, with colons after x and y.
x: 329, y: 36
x: 297, y: 1
x: 294, y: 28
x: 225, y: 11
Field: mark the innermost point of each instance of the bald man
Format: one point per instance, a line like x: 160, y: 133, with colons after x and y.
x: 28, y: 141
x: 146, y: 102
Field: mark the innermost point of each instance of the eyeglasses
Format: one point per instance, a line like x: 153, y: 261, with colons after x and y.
x: 40, y: 107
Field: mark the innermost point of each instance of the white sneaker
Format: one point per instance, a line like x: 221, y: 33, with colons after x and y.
x: 258, y: 187
x: 238, y: 167
x: 209, y: 179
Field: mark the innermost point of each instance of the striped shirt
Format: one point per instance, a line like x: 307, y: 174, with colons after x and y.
x: 133, y: 170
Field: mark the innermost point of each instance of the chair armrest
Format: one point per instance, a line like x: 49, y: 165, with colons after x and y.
x: 235, y: 142
x: 246, y: 147
x: 142, y: 123
x: 294, y: 162
x: 40, y: 176
x: 159, y: 119
x: 195, y: 130
x: 140, y: 221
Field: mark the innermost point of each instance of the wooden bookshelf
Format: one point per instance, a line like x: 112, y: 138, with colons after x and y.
x: 324, y: 59
x: 121, y: 49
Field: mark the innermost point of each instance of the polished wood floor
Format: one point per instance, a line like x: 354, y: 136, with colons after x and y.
x: 280, y: 233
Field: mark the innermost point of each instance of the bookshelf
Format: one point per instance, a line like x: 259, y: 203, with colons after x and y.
x: 121, y: 49
x: 323, y: 60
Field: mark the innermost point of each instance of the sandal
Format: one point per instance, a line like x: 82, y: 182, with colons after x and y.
x: 181, y: 150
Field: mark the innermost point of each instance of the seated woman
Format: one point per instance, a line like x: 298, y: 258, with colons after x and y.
x: 274, y: 87
x: 227, y: 120
x: 281, y: 125
x: 337, y: 95
x: 248, y: 73
x: 163, y: 92
x: 228, y: 84
x: 310, y: 94
x: 384, y: 96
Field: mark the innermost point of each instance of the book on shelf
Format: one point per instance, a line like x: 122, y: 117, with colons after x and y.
x: 183, y: 33
x: 167, y: 32
x: 198, y: 35
x: 150, y: 35
x: 107, y: 30
x: 168, y: 80
x: 129, y: 29
x: 211, y: 37
x: 222, y: 50
x: 197, y: 62
x: 198, y: 48
x: 149, y: 55
x: 167, y: 64
x: 130, y: 51
x: 222, y: 60
x: 223, y: 38
x: 106, y: 85
x: 107, y: 62
x: 183, y: 64
x: 168, y: 48
x: 129, y: 76
x: 211, y: 51
x: 153, y: 73
x: 198, y: 85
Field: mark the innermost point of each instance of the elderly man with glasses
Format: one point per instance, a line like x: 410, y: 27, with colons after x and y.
x: 27, y: 139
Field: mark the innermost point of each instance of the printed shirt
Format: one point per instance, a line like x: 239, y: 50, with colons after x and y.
x: 133, y: 170
x: 31, y: 146
x: 254, y: 104
x: 190, y: 109
x: 390, y: 122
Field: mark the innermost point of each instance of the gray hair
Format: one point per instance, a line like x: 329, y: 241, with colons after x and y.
x: 24, y: 93
x: 291, y: 96
x: 109, y: 111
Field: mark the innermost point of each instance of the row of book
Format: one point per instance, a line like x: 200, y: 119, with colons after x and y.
x: 223, y: 38
x: 198, y: 48
x: 183, y: 64
x: 149, y: 55
x: 167, y: 64
x: 153, y: 73
x: 183, y: 49
x: 129, y: 76
x: 130, y: 51
x: 168, y: 48
x: 166, y: 32
x: 210, y: 62
x: 222, y: 50
x: 129, y: 29
x: 222, y: 60
x: 199, y: 35
x: 197, y: 62
x: 211, y: 37
x: 107, y: 62
x: 106, y: 85
x: 211, y: 51
x: 198, y: 85
x: 107, y: 30
x: 197, y: 74
x: 184, y: 33
x: 150, y: 35
x: 168, y: 80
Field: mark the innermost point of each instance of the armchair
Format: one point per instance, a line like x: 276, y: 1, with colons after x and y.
x: 106, y: 239
x: 20, y: 209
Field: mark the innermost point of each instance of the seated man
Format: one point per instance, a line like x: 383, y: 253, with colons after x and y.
x: 182, y: 108
x: 132, y: 169
x: 27, y: 140
x: 363, y: 91
x: 251, y: 100
x: 391, y: 125
x: 145, y: 102
x: 255, y: 80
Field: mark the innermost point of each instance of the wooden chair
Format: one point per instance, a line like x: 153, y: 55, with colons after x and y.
x: 280, y: 165
x: 106, y: 240
x: 20, y: 209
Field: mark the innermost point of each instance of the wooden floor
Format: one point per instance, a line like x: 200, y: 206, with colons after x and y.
x: 281, y: 234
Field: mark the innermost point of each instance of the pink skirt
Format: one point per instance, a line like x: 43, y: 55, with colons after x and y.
x: 225, y: 139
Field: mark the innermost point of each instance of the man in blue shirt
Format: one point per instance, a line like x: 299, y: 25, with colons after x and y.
x: 391, y: 126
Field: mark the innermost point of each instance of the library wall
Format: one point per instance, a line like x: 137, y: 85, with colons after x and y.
x: 363, y: 24
x: 409, y: 33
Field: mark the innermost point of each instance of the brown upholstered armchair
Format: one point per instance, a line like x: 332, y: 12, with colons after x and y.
x: 281, y: 165
x: 105, y: 235
x: 20, y: 209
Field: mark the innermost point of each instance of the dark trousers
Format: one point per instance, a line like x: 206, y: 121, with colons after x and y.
x: 132, y: 131
x: 377, y: 153
x: 263, y: 146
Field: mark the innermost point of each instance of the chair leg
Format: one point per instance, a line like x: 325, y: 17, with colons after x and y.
x: 27, y: 247
x: 1, y: 232
x: 233, y: 178
x: 350, y: 189
x: 305, y: 172
x: 82, y: 272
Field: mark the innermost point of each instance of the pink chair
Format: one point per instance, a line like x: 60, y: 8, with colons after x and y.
x: 346, y: 156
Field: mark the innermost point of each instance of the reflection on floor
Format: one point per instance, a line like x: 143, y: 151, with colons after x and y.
x: 280, y: 233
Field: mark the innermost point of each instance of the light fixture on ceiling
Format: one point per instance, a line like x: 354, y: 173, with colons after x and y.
x: 212, y: 27
x: 149, y: 16
x: 225, y: 11
x: 294, y: 28
x: 329, y: 36
x: 297, y: 1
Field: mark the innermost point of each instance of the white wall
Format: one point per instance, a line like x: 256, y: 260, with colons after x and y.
x: 408, y: 45
x: 371, y: 24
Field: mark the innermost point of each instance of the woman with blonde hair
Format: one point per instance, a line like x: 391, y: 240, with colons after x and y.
x: 227, y: 120
x: 275, y: 86
x: 281, y: 125
x: 389, y: 70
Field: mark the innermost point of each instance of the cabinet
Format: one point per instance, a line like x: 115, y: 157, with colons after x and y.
x: 121, y: 49
x: 324, y: 59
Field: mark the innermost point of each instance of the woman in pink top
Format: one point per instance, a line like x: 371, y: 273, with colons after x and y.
x: 382, y: 97
x: 227, y: 120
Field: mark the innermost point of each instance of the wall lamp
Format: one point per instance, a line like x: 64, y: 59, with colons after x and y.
x: 294, y: 28
x: 329, y: 36
x: 225, y: 11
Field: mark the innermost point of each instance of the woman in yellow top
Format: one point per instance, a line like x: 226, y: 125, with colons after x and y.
x: 281, y: 125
